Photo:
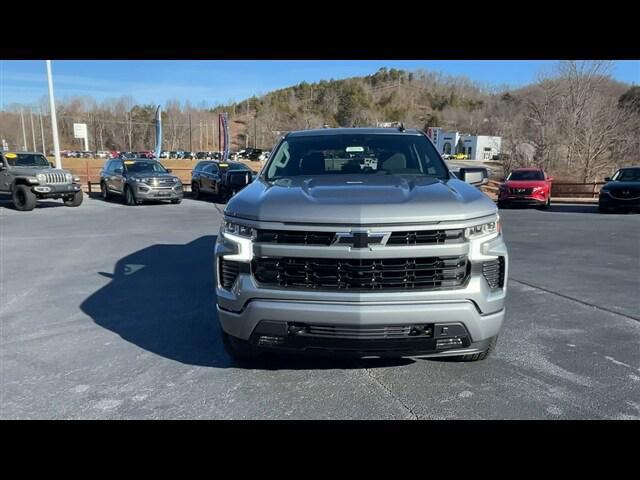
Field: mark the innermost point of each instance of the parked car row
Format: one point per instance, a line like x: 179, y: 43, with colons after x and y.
x: 532, y: 187
x: 137, y: 180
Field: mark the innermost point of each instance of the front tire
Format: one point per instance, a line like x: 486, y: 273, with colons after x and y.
x: 602, y: 209
x: 475, y: 357
x: 195, y: 191
x: 23, y: 198
x: 239, y: 350
x: 75, y: 200
x: 176, y: 201
x: 104, y: 191
x: 547, y: 205
x: 129, y: 197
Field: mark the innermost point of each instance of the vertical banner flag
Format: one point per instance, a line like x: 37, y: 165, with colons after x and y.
x: 223, y: 135
x: 158, y: 132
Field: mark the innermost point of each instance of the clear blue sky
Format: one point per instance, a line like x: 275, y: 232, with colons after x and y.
x: 216, y: 82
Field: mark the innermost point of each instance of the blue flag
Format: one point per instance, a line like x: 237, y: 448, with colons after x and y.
x: 158, y: 132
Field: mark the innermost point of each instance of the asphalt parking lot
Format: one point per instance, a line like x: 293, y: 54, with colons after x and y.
x: 107, y: 312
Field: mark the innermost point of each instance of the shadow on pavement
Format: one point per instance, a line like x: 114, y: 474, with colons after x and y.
x: 558, y: 208
x: 162, y: 299
x: 6, y: 202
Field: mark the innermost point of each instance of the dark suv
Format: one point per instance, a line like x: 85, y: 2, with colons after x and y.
x: 622, y: 192
x: 138, y: 180
x: 220, y: 179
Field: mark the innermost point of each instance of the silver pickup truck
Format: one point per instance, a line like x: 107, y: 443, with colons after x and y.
x: 29, y: 177
x: 361, y: 241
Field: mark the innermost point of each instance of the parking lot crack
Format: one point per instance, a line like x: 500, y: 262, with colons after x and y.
x: 403, y: 406
x: 582, y: 302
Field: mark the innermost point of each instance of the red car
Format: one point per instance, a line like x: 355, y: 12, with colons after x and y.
x: 526, y: 186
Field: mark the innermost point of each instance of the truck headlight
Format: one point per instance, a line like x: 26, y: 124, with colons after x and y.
x: 42, y: 178
x: 76, y: 179
x: 483, y: 229
x: 242, y: 237
x: 231, y: 228
x: 68, y: 177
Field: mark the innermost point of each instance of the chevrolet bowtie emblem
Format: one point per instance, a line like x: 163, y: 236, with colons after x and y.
x: 359, y: 239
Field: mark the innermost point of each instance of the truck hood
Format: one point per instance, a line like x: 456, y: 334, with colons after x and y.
x: 359, y: 200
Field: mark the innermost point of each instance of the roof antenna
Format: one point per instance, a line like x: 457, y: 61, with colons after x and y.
x: 401, y: 127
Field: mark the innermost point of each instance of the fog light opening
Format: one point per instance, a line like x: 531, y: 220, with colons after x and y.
x: 270, y: 340
x: 445, y: 343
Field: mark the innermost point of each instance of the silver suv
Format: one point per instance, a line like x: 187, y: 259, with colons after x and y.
x: 29, y: 177
x: 360, y: 241
x: 138, y: 180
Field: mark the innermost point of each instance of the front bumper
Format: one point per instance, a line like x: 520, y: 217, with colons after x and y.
x: 606, y: 201
x: 537, y: 200
x: 247, y: 305
x: 276, y: 325
x: 150, y: 193
x: 56, y: 191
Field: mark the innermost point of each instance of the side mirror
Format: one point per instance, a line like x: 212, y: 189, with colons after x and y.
x: 52, y: 165
x: 118, y: 171
x: 607, y: 179
x: 549, y: 179
x: 168, y: 170
x: 474, y: 175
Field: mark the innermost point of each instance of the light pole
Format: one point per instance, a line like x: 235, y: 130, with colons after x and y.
x: 33, y: 131
x: 24, y: 135
x: 44, y: 149
x: 54, y: 123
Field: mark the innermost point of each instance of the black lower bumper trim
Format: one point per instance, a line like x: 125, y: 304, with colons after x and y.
x: 419, y: 339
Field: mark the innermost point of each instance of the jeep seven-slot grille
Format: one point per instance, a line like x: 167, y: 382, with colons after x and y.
x: 229, y: 271
x: 427, y: 273
x: 53, y: 178
x: 425, y: 237
x: 493, y: 272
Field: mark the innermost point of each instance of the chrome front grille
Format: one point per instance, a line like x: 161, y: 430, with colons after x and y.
x: 56, y: 178
x: 397, y: 238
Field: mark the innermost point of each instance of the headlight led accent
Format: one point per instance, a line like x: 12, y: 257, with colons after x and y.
x: 483, y: 229
x: 237, y: 229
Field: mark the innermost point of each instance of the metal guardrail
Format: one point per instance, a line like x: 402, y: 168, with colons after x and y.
x: 559, y: 189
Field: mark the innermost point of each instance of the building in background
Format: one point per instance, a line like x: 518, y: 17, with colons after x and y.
x: 475, y: 147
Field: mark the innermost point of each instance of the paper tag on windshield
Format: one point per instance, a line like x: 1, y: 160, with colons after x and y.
x: 10, y: 155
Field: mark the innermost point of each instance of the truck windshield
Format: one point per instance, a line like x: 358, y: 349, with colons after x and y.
x: 144, y: 167
x: 26, y: 160
x: 376, y: 154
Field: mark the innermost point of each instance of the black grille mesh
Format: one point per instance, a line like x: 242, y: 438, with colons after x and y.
x: 427, y: 273
x: 493, y: 272
x: 229, y: 271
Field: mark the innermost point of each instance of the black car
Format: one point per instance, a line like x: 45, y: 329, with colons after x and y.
x: 622, y: 192
x: 220, y: 179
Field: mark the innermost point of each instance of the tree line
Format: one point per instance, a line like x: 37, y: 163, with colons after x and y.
x: 575, y: 121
